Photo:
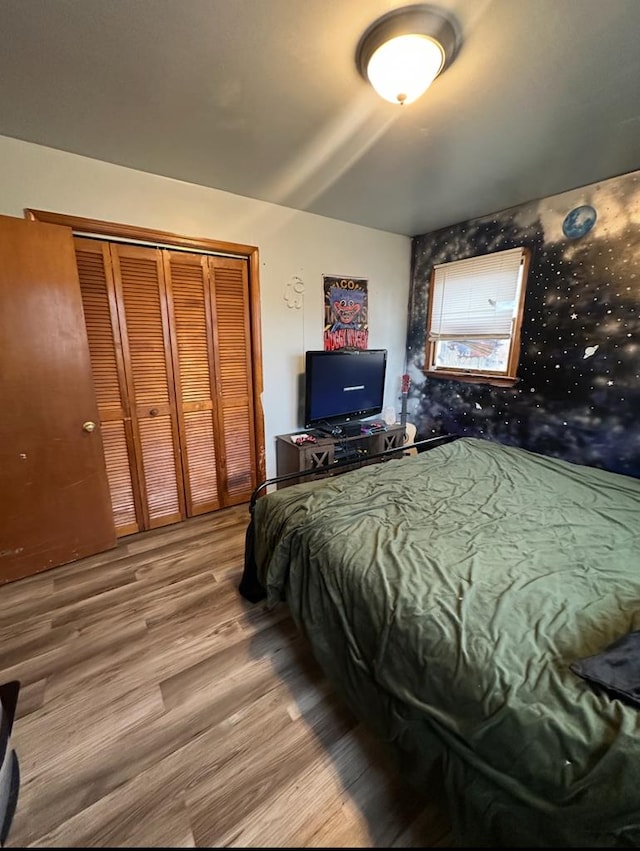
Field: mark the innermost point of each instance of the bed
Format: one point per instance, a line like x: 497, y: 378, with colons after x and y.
x: 447, y: 596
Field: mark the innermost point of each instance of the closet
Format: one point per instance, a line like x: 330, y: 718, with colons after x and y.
x: 171, y: 355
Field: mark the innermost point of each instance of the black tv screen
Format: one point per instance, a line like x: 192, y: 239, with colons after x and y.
x: 343, y: 385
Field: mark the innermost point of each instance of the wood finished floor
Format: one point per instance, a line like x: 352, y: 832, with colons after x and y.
x: 158, y: 708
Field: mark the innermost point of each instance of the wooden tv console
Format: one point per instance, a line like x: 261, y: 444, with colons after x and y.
x: 329, y: 450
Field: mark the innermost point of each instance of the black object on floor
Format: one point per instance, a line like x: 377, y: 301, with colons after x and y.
x: 250, y: 587
x: 9, y: 766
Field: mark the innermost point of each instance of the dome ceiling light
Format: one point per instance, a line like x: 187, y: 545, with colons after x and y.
x: 403, y: 52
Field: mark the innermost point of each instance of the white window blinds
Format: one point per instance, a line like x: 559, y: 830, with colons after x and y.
x: 476, y: 297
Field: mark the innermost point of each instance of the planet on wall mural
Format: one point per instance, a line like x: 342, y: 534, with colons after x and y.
x: 579, y: 221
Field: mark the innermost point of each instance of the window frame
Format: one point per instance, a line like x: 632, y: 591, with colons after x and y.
x: 499, y: 379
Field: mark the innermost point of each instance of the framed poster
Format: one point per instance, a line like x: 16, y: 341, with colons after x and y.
x: 346, y: 322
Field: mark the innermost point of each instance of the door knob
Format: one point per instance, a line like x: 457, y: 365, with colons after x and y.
x: 88, y: 426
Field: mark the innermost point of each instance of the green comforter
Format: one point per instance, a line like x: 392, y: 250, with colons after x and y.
x: 446, y: 595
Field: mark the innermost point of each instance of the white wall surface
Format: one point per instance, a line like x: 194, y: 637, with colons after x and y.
x: 291, y: 244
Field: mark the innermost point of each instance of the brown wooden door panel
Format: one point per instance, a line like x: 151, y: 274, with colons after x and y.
x: 192, y: 344
x: 237, y: 440
x: 119, y: 475
x: 144, y: 327
x: 54, y: 495
x: 200, y: 448
x: 163, y: 495
x: 234, y: 381
x: 107, y: 366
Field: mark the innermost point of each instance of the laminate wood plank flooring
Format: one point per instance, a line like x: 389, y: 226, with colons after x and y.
x: 158, y: 708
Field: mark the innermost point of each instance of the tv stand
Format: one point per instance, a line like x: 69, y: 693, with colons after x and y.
x: 330, y: 449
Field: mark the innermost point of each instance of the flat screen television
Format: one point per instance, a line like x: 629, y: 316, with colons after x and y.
x: 343, y: 385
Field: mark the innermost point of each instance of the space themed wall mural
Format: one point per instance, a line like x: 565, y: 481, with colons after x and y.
x: 577, y: 396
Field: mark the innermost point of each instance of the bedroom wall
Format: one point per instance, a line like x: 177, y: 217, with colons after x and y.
x: 578, y: 393
x: 294, y: 247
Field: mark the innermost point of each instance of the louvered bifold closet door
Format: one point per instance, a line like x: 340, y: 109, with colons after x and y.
x: 101, y: 319
x: 187, y: 277
x: 142, y: 305
x: 232, y: 344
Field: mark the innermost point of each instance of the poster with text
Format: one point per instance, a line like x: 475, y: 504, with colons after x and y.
x: 345, y: 313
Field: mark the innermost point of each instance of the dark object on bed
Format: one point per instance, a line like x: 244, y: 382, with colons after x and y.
x: 446, y: 597
x: 616, y: 669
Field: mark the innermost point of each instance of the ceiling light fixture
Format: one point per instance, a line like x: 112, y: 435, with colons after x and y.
x: 403, y: 52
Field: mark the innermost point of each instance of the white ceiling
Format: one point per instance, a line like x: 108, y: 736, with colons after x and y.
x: 262, y: 98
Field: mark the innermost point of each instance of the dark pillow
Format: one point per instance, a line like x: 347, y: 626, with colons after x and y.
x: 616, y: 669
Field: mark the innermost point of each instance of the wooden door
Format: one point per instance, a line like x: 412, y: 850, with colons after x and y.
x: 54, y: 495
x: 144, y: 329
x: 211, y: 341
x: 187, y: 278
x: 231, y: 327
x: 107, y: 364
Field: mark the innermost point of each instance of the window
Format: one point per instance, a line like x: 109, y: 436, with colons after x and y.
x: 474, y: 316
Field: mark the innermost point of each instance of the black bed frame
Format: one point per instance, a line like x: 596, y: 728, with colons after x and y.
x: 250, y: 587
